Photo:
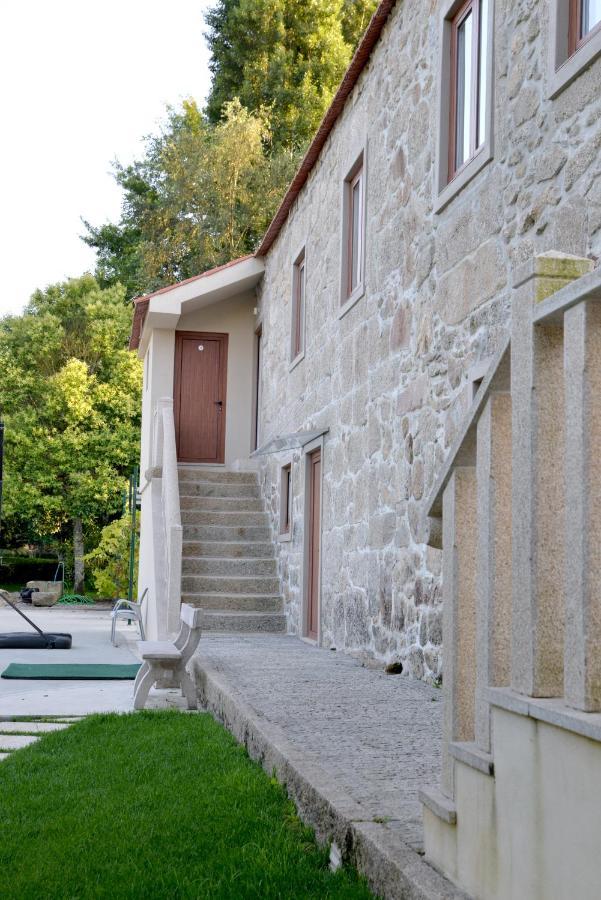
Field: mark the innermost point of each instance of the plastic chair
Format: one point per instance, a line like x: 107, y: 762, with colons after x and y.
x: 130, y: 610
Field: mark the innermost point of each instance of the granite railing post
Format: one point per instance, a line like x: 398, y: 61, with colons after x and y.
x: 459, y: 615
x: 538, y: 497
x: 493, y: 588
x: 582, y: 666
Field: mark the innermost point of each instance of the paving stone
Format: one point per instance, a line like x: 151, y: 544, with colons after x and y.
x: 377, y: 736
x: 16, y: 741
x: 31, y: 727
x: 4, y: 756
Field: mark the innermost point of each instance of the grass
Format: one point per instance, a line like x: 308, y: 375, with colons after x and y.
x: 154, y: 805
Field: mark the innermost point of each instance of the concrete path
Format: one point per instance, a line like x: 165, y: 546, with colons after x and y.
x: 15, y: 735
x: 352, y: 745
x: 91, y: 630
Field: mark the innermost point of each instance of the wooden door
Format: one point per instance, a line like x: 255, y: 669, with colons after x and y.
x: 314, y: 539
x: 200, y: 388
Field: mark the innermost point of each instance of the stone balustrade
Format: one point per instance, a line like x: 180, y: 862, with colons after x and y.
x: 520, y: 503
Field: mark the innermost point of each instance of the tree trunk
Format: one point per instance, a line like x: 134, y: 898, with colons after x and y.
x: 78, y: 552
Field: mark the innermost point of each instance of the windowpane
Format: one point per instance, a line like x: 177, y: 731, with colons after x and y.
x: 288, y: 499
x: 482, y: 73
x: 591, y: 16
x: 355, y: 260
x: 298, y: 307
x: 464, y: 91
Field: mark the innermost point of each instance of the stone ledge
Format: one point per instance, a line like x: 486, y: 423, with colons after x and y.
x: 393, y: 869
x: 552, y: 712
x: 440, y: 805
x: 471, y: 755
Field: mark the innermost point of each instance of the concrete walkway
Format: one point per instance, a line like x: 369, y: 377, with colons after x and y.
x: 91, y: 630
x: 352, y: 744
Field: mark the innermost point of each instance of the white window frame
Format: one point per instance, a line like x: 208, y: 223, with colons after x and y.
x: 349, y: 299
x: 300, y: 260
x: 446, y: 190
x: 564, y: 68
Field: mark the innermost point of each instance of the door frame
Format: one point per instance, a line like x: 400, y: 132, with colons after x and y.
x: 308, y: 450
x: 202, y: 336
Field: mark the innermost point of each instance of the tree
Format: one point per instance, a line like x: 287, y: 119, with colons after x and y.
x: 70, y: 395
x: 201, y: 196
x: 286, y: 56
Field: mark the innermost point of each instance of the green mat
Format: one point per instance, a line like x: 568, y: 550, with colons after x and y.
x: 72, y: 672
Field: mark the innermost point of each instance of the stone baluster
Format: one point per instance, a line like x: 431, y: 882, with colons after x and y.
x: 538, y: 497
x: 459, y: 614
x: 493, y: 587
x: 582, y: 666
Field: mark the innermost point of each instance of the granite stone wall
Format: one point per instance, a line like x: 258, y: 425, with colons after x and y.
x: 393, y: 378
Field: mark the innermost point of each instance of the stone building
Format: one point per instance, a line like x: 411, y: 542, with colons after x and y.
x: 339, y: 363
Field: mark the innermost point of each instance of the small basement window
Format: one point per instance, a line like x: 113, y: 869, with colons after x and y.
x: 286, y: 502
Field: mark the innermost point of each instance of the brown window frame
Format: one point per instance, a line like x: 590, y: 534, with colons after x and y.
x: 474, y: 7
x: 357, y: 177
x: 286, y: 496
x: 575, y: 39
x: 299, y: 299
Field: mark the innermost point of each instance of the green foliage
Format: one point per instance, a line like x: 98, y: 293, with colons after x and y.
x: 155, y: 805
x: 70, y: 395
x: 109, y: 561
x: 209, y: 184
x: 201, y: 196
x: 287, y: 56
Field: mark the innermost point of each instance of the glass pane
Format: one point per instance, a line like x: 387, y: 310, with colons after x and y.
x: 591, y: 15
x: 464, y: 87
x: 300, y: 308
x: 356, y: 235
x: 482, y: 73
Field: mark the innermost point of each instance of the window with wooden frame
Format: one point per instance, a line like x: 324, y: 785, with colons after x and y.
x: 353, y: 237
x: 468, y: 87
x: 286, y: 502
x: 574, y: 41
x: 299, y: 281
x: 584, y: 23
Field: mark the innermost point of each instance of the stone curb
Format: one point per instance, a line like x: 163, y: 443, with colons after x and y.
x: 394, y: 870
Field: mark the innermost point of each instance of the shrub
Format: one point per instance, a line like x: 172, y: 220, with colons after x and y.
x: 109, y: 562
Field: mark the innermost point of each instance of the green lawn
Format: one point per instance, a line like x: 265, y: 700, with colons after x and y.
x: 153, y: 805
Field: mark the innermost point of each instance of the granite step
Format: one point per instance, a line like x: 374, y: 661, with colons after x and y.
x: 218, y: 489
x: 250, y: 566
x: 231, y: 519
x: 217, y: 584
x: 231, y: 549
x: 221, y: 504
x: 262, y: 603
x: 197, y: 473
x: 230, y: 535
x: 244, y: 622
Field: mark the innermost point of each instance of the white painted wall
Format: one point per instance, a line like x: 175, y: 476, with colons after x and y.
x: 533, y: 831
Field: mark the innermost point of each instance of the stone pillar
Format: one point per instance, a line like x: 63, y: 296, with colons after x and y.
x: 459, y: 614
x: 582, y: 667
x: 538, y: 497
x: 493, y: 587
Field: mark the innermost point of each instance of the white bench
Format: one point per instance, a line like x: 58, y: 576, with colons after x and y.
x: 168, y: 659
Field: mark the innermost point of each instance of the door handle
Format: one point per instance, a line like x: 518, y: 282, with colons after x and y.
x: 219, y: 403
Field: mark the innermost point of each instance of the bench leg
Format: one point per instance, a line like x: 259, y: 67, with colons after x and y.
x: 142, y: 689
x: 141, y: 672
x: 188, y: 690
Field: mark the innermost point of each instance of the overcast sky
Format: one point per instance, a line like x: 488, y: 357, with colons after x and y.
x: 80, y: 84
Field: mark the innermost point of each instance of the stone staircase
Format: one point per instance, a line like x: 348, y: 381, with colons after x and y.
x: 228, y: 565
